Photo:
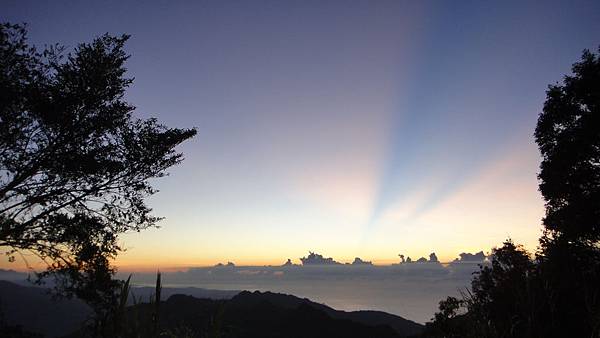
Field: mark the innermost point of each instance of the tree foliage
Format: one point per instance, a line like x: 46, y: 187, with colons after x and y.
x: 556, y: 294
x: 75, y: 163
x: 500, y: 303
x: 568, y: 135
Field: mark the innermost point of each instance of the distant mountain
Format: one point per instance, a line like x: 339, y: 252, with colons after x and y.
x: 13, y: 276
x: 269, y: 315
x: 403, y: 327
x: 247, y: 314
x: 34, y: 309
x: 144, y: 293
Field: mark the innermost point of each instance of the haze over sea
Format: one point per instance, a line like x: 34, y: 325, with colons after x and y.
x: 411, y: 290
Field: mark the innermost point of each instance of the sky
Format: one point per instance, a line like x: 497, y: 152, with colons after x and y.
x: 349, y: 128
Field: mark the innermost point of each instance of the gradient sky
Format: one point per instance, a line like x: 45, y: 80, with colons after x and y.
x: 350, y: 128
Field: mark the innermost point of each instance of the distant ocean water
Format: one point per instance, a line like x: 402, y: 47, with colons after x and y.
x: 412, y: 291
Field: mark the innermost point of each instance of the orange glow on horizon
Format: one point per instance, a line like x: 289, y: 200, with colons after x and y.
x: 145, y: 266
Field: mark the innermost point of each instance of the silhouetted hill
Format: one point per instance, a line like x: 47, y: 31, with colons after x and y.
x: 402, y: 326
x: 271, y: 315
x: 35, y: 310
x: 248, y: 314
x: 13, y: 276
x: 144, y: 293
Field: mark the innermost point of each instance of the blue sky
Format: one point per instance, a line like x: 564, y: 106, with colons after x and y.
x: 352, y: 128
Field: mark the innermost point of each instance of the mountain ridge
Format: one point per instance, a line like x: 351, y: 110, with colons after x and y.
x: 246, y: 314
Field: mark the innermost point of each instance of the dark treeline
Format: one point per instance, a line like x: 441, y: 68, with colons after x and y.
x: 556, y: 291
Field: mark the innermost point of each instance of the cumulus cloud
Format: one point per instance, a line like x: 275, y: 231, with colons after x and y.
x: 317, y: 259
x: 466, y: 257
x: 409, y: 290
x: 358, y: 261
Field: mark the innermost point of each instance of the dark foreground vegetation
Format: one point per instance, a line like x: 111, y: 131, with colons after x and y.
x: 76, y: 167
x: 244, y: 315
x: 75, y: 163
x: 556, y: 291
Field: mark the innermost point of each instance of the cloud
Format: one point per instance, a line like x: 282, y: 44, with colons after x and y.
x: 409, y: 290
x: 466, y: 257
x: 317, y: 259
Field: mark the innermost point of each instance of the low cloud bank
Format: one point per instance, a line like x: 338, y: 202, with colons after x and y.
x: 411, y: 289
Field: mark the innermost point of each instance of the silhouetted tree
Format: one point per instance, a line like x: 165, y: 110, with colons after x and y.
x: 558, y: 293
x: 75, y: 164
x: 450, y: 321
x: 568, y: 135
x: 501, y: 301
